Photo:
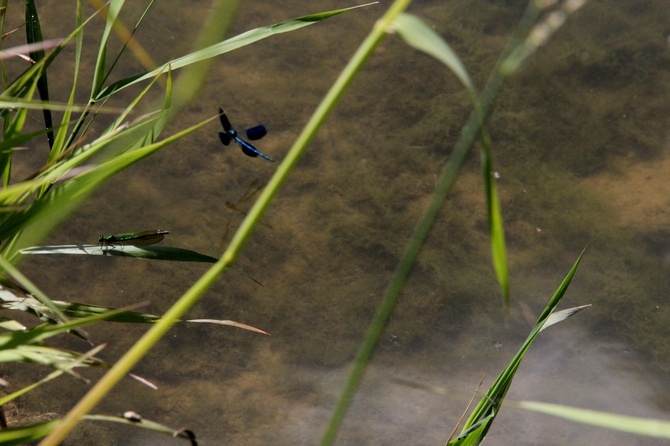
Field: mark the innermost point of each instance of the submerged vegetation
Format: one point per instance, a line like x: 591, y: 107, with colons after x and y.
x: 119, y: 125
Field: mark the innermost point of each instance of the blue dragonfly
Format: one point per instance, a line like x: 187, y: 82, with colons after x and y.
x: 230, y: 134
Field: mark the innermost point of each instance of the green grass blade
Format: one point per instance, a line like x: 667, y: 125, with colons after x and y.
x: 496, y: 229
x: 125, y: 45
x: 24, y: 434
x: 46, y: 331
x: 55, y: 374
x: 34, y: 35
x: 416, y: 33
x: 420, y: 36
x: 239, y: 41
x: 488, y: 407
x: 142, y: 423
x: 634, y: 425
x: 23, y: 82
x: 560, y: 316
x: 99, y: 76
x: 23, y: 281
x: 61, y: 136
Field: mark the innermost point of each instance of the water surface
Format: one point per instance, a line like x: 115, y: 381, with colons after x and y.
x: 581, y: 146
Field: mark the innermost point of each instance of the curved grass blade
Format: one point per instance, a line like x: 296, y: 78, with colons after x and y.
x: 416, y: 33
x: 485, y: 412
x: 420, y: 36
x: 239, y: 41
x: 42, y: 332
x: 228, y: 323
x: 24, y: 282
x: 55, y: 374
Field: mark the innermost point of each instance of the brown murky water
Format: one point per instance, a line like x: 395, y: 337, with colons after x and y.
x: 581, y: 143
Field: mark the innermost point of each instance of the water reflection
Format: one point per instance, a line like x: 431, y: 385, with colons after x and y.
x: 580, y: 143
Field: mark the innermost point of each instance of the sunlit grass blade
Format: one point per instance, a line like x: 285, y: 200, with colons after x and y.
x: 228, y: 323
x: 496, y: 229
x: 61, y: 137
x: 55, y: 374
x: 239, y: 41
x: 416, y: 33
x: 419, y: 35
x: 112, y: 12
x: 11, y: 271
x: 29, y: 48
x: 79, y: 310
x: 634, y: 425
x: 559, y: 316
x: 22, y: 83
x: 487, y: 409
x: 23, y: 434
x: 128, y: 39
x: 43, y: 332
x: 56, y: 358
x: 128, y: 250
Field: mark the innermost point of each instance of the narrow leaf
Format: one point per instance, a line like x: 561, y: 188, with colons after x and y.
x: 230, y: 323
x: 239, y: 41
x: 634, y: 425
x: 488, y: 406
x: 496, y: 229
x: 34, y: 35
x: 143, y: 252
x: 417, y: 34
x: 562, y: 315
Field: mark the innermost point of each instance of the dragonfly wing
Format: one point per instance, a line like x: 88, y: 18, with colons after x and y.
x: 257, y: 132
x: 224, y: 120
x: 247, y: 148
x: 225, y: 138
x: 250, y: 150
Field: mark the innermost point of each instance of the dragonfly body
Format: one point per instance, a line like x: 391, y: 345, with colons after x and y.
x: 230, y: 134
x: 133, y: 238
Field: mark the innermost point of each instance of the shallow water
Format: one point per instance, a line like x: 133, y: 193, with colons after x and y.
x: 581, y: 144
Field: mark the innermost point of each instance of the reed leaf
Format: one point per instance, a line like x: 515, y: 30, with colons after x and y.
x: 479, y: 422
